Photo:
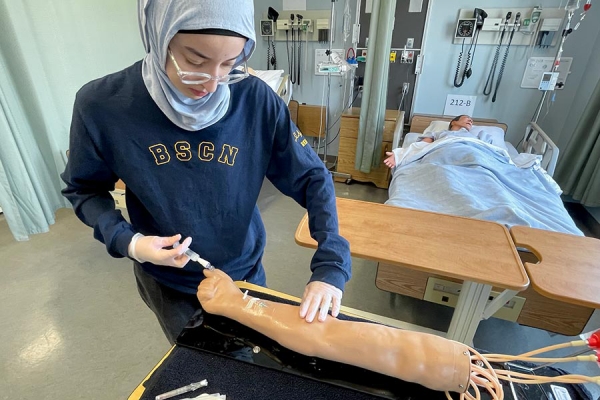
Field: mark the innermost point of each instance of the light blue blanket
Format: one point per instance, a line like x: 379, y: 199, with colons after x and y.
x: 469, y: 178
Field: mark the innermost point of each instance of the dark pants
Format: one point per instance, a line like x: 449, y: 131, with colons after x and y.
x: 173, y: 309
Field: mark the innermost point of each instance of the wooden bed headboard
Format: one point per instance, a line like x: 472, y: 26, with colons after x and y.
x: 420, y: 122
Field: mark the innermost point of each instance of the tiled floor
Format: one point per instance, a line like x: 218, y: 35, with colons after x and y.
x: 72, y: 325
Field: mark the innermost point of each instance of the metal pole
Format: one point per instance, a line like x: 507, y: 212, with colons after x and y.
x: 327, y: 127
x: 556, y: 64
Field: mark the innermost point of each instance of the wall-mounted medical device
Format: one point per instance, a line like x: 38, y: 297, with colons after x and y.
x: 267, y: 27
x: 331, y: 62
x: 537, y: 66
x: 306, y: 28
x: 465, y: 28
x: 548, y: 81
x: 267, y: 30
x: 323, y: 30
x: 548, y: 30
x: 468, y: 28
x: 537, y: 25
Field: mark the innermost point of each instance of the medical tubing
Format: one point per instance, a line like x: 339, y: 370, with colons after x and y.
x: 293, y: 68
x: 505, y: 58
x: 502, y: 66
x: 470, y: 59
x: 268, y: 53
x: 287, y: 46
x: 575, y: 343
x: 299, y: 55
x: 290, y: 62
x: 474, y: 49
x: 490, y: 79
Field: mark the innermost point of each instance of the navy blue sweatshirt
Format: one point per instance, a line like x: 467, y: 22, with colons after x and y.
x: 202, y: 184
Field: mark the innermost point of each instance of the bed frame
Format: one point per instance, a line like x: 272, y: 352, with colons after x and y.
x: 534, y: 141
x: 537, y: 311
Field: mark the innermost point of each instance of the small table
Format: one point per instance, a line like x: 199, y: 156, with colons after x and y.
x: 479, y: 252
x: 569, y: 266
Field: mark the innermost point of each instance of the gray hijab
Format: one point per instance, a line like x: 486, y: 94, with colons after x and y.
x: 159, y: 21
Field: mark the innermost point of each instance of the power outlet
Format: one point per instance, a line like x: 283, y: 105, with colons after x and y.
x: 407, y: 56
x: 405, y: 87
x: 410, y: 43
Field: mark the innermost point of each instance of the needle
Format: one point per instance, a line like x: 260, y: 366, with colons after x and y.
x: 196, y: 258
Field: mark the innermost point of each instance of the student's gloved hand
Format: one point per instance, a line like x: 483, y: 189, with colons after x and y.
x: 152, y: 249
x: 318, y: 296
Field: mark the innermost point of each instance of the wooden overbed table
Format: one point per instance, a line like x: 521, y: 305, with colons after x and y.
x: 569, y: 266
x: 479, y: 252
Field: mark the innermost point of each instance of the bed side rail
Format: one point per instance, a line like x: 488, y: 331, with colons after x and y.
x: 398, y: 130
x: 536, y: 141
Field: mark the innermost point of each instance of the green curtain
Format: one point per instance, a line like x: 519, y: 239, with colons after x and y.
x: 372, y: 112
x: 48, y: 50
x: 578, y: 169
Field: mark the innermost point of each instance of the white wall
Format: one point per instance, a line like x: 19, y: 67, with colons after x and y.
x: 515, y: 106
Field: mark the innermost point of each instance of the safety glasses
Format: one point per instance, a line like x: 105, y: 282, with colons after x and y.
x: 199, y: 78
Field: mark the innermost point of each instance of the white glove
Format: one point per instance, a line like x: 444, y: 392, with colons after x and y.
x: 320, y: 295
x: 152, y: 249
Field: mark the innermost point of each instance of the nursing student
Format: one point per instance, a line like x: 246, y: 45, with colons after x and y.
x: 193, y: 140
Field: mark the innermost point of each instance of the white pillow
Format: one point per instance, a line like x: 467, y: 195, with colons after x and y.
x: 436, y: 126
x: 489, y: 134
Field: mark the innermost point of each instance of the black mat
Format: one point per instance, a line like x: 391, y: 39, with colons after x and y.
x: 242, y: 374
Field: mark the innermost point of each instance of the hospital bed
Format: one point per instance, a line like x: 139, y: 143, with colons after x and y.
x: 278, y: 80
x: 529, y: 307
x: 535, y: 140
x: 470, y: 178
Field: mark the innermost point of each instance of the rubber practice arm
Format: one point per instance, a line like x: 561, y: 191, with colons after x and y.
x: 429, y: 360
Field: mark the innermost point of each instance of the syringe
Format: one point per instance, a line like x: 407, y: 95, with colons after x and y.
x: 182, y: 390
x: 196, y: 258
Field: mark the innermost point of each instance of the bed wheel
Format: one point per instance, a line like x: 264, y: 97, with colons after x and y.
x: 349, y: 181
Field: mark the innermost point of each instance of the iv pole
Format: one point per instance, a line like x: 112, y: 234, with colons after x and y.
x: 327, y: 127
x: 566, y: 31
x: 327, y: 117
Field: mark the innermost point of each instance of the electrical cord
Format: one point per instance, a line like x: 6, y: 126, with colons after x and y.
x: 459, y: 65
x: 294, y: 80
x: 340, y: 117
x: 350, y: 105
x: 274, y: 59
x: 336, y: 121
x: 504, y: 60
x: 269, y: 53
x: 490, y: 79
x: 287, y: 46
x: 299, y: 53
